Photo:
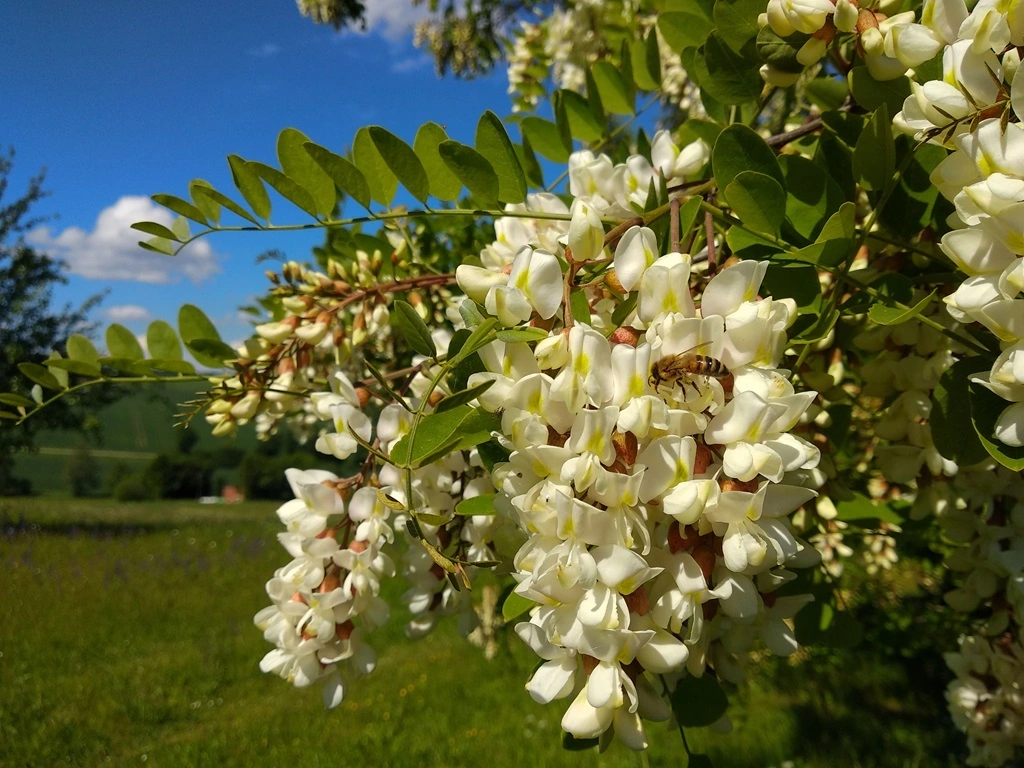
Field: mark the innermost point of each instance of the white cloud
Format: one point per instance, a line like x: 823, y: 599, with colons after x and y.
x: 409, y: 64
x: 393, y: 18
x: 264, y: 51
x: 127, y: 313
x: 111, y: 251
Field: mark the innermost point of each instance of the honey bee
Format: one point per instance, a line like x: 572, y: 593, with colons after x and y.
x: 682, y: 368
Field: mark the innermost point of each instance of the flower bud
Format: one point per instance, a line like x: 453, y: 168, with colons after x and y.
x: 586, y: 233
x: 846, y: 15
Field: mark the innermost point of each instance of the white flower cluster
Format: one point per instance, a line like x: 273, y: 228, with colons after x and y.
x: 984, y: 177
x: 909, y: 361
x: 571, y: 38
x: 328, y: 585
x: 893, y: 45
x: 987, y: 697
x: 655, y: 503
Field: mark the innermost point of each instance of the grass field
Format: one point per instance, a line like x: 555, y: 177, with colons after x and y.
x: 126, y: 638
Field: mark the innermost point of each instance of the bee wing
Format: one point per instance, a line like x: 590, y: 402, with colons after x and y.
x: 699, y: 347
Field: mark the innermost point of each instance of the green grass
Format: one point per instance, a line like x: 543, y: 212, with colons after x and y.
x: 126, y: 638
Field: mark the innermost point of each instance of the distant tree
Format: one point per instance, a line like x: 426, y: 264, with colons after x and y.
x: 465, y: 37
x: 29, y: 326
x: 82, y: 472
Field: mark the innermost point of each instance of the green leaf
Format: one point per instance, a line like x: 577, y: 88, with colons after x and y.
x: 493, y: 143
x: 950, y: 421
x: 545, y: 138
x: 250, y: 185
x: 180, y: 228
x: 463, y: 397
x: 872, y: 94
x: 723, y: 73
x: 582, y: 123
x: 738, y: 149
x: 436, y: 430
x: 594, y: 99
x: 182, y: 208
x: 491, y: 453
x: 758, y: 200
x: 285, y: 187
x: 482, y: 335
x: 685, y: 29
x: 534, y: 174
x: 158, y: 245
x: 205, y: 203
x: 402, y: 161
x: 860, y: 507
x: 158, y: 230
x: 644, y: 75
x: 624, y: 309
x: 80, y: 367
x: 813, y: 197
x: 736, y: 21
x: 300, y: 167
x: 122, y: 343
x: 562, y: 119
x: 9, y: 398
x: 382, y: 181
x: 515, y: 605
x: 616, y: 95
x: 517, y: 335
x: 829, y: 253
x: 470, y: 312
x: 162, y: 341
x: 194, y: 326
x: 579, y: 306
x: 414, y: 329
x: 883, y: 315
x: 698, y: 701
x: 344, y: 174
x: 840, y: 225
x: 213, y: 352
x: 826, y: 93
x: 780, y: 52
x: 874, y: 158
x: 80, y: 348
x: 202, y: 191
x: 986, y: 408
x: 699, y: 761
x: 61, y: 376
x: 40, y: 375
x: 794, y: 281
x: 444, y: 185
x: 478, y: 505
x: 473, y: 170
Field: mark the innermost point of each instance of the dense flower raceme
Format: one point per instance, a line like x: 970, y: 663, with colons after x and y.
x: 327, y: 598
x: 572, y: 37
x: 656, y: 516
x: 987, y: 697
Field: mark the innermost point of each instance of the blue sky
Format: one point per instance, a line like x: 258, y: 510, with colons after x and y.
x: 121, y: 100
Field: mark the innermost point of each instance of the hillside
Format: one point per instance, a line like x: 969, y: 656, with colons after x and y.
x: 132, y: 431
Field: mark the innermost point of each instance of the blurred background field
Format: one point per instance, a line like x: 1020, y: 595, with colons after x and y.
x: 127, y: 639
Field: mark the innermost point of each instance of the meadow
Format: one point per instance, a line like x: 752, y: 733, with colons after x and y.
x: 126, y: 638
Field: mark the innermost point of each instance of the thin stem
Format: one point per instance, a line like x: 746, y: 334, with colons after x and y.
x: 103, y: 380
x: 709, y: 234
x: 781, y: 139
x: 388, y: 216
